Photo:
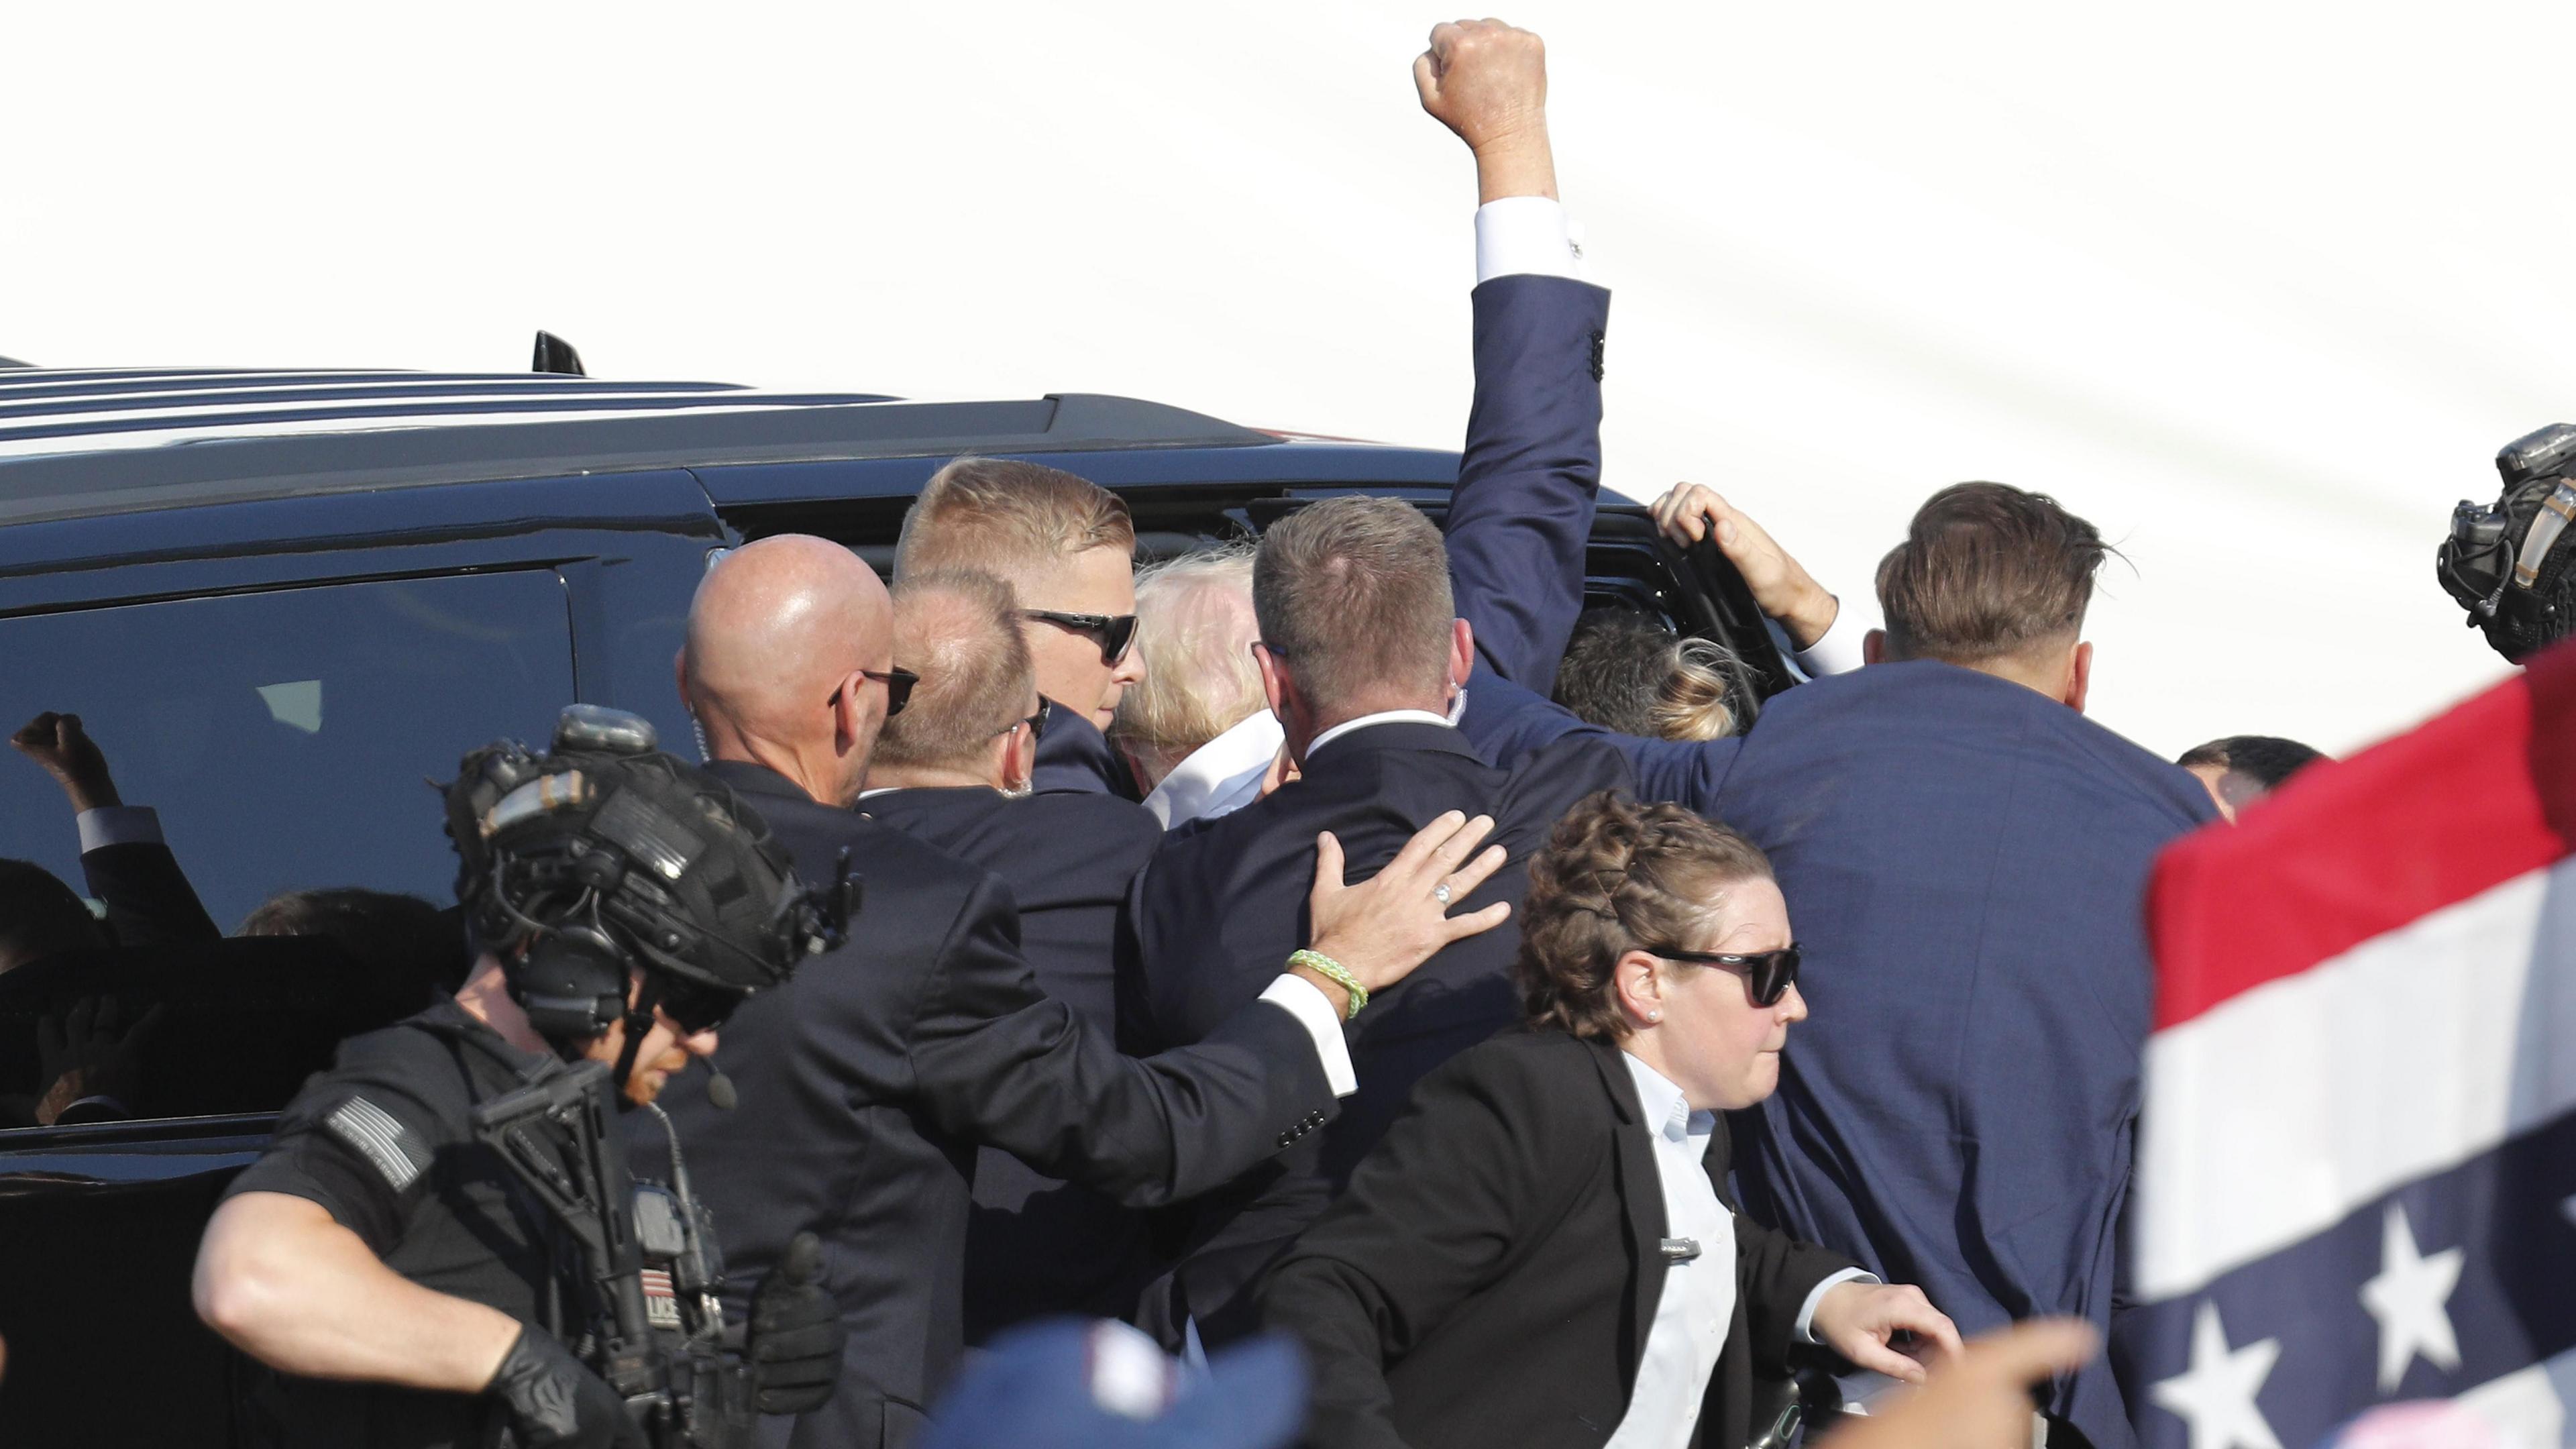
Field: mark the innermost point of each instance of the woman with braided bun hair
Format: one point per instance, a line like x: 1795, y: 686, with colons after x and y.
x: 1542, y: 1250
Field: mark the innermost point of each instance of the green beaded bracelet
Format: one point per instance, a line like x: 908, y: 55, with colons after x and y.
x: 1333, y: 971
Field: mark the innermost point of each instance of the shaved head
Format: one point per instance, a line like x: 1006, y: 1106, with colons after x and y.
x: 777, y: 628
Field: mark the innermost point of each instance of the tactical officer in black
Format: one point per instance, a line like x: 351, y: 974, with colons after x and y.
x: 420, y: 1277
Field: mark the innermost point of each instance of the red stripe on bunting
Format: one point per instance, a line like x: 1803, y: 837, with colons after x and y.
x: 2355, y: 849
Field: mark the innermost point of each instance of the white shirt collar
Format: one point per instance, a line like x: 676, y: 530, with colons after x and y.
x: 1221, y: 776
x: 1389, y: 716
x: 1667, y: 1111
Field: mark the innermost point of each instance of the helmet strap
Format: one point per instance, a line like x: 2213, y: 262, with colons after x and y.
x: 639, y: 1022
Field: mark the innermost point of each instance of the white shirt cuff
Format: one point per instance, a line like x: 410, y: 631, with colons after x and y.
x: 1306, y: 1001
x: 1525, y: 235
x: 1838, y: 651
x: 1807, y: 1310
x: 119, y: 825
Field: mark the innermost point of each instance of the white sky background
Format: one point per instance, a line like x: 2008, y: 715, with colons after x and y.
x: 2258, y: 287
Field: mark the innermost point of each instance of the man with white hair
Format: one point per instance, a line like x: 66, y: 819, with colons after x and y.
x: 1196, y: 728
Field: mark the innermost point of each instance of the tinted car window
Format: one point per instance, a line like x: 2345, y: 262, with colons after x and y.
x: 284, y: 736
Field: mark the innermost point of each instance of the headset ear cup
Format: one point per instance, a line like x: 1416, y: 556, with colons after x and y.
x: 571, y: 982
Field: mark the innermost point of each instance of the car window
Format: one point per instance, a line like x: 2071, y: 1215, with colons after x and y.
x: 284, y: 736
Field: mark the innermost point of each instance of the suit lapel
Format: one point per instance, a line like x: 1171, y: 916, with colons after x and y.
x: 1641, y: 1199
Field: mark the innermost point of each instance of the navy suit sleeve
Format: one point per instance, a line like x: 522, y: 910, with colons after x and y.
x: 1527, y: 481
x: 1506, y: 722
x: 999, y: 1062
x: 148, y: 898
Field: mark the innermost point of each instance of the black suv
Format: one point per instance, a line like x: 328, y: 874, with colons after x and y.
x: 282, y: 600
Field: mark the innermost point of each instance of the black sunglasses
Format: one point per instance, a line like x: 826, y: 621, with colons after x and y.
x: 693, y: 1007
x: 1037, y: 723
x: 1114, y: 633
x: 898, y: 683
x: 1767, y: 974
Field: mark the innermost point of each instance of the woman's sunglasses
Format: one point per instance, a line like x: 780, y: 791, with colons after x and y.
x: 1114, y: 633
x: 1767, y: 974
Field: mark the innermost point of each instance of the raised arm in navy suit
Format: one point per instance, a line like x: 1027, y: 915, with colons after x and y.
x: 1964, y: 857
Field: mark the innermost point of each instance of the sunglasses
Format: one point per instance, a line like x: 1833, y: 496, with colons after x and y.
x: 898, y: 683
x: 1114, y: 633
x: 1767, y: 974
x: 693, y: 1007
x: 1036, y: 723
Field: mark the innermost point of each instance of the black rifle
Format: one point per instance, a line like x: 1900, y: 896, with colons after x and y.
x: 684, y: 1382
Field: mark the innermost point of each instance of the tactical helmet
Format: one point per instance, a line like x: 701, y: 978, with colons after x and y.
x: 604, y: 853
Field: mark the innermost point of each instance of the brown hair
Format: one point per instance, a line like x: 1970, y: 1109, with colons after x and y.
x: 1200, y: 680
x: 1016, y: 521
x: 960, y: 631
x: 1987, y: 570
x: 1625, y: 670
x: 1616, y: 876
x: 1354, y: 594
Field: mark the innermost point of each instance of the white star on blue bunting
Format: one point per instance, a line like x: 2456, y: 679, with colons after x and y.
x: 2408, y: 1297
x: 2216, y: 1395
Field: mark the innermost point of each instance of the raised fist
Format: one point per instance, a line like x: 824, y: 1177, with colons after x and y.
x: 1485, y: 80
x: 57, y: 742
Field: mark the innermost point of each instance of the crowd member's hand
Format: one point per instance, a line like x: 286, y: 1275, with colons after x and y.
x: 1487, y: 81
x: 796, y: 1334
x: 1382, y: 928
x: 1863, y: 1322
x: 554, y: 1401
x: 1979, y: 1400
x: 88, y: 1051
x: 1782, y: 588
x: 57, y: 742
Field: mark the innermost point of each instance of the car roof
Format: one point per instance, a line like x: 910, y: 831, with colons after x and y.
x: 83, y: 442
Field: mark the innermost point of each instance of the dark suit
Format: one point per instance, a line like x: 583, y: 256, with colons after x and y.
x: 1965, y: 861
x: 1491, y: 1275
x: 868, y: 1082
x: 1075, y: 757
x: 1225, y: 902
x: 1037, y: 1245
x: 149, y: 901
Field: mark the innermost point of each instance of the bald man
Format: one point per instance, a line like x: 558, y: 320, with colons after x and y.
x: 868, y: 1083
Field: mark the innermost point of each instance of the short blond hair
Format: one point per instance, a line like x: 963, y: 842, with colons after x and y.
x: 1353, y: 593
x: 1193, y: 623
x: 960, y: 631
x: 1016, y: 521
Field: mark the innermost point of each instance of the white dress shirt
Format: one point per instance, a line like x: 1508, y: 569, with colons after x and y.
x: 106, y: 825
x: 1698, y: 1301
x: 1221, y: 776
x: 1384, y: 716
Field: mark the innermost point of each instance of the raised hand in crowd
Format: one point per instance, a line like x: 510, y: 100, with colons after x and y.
x: 1863, y: 1321
x: 1981, y: 1399
x: 57, y: 742
x: 1487, y: 81
x: 1782, y: 587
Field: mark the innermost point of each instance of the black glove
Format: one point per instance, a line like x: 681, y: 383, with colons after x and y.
x: 796, y: 1333
x: 554, y: 1401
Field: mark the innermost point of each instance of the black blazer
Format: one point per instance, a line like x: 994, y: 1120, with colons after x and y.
x: 1491, y: 1274
x: 149, y: 901
x: 868, y: 1081
x: 1075, y: 757
x: 1037, y: 1245
x: 1225, y: 900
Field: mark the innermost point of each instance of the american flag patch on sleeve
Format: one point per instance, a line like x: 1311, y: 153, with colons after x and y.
x: 380, y: 1138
